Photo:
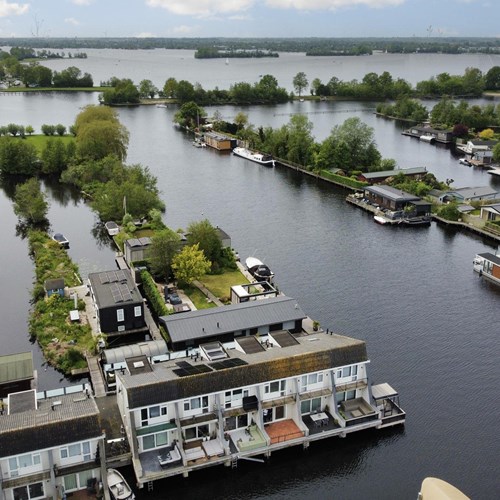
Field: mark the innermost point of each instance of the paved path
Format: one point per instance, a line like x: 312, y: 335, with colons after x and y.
x: 96, y: 376
x: 208, y: 293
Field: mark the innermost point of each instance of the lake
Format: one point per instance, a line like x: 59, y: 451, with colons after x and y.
x: 428, y: 320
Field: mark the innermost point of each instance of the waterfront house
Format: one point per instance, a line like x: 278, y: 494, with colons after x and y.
x: 252, y: 291
x: 382, y: 176
x: 118, y: 304
x: 137, y: 249
x: 248, y: 398
x: 16, y: 373
x: 491, y: 212
x: 236, y: 320
x: 396, y: 200
x: 220, y: 141
x: 469, y: 194
x: 481, y: 158
x: 474, y: 145
x: 54, y: 286
x: 49, y: 447
x: 444, y: 136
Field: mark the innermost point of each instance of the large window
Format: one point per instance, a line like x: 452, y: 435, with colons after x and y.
x: 310, y: 406
x: 196, y: 404
x: 234, y: 397
x: 197, y: 432
x: 120, y: 315
x: 74, y: 482
x: 29, y: 492
x: 23, y: 461
x: 78, y: 450
x: 311, y: 379
x: 152, y: 412
x: 279, y: 386
x: 154, y: 440
x: 272, y: 414
x: 344, y: 396
x: 231, y: 423
x: 347, y: 371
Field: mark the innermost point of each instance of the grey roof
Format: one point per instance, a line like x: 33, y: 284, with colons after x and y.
x: 391, y: 193
x: 481, y: 142
x: 310, y: 354
x: 120, y: 354
x: 138, y: 242
x: 75, y: 419
x: 231, y: 318
x: 391, y: 173
x: 113, y: 288
x: 465, y: 208
x: 54, y: 284
x: 474, y: 192
x: 491, y: 257
x: 494, y: 206
x: 16, y: 367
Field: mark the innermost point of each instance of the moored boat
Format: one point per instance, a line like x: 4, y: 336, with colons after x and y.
x: 118, y: 487
x: 436, y: 489
x: 379, y: 219
x: 112, y: 228
x: 259, y: 270
x: 427, y: 138
x: 262, y: 159
x: 61, y: 239
x: 488, y: 266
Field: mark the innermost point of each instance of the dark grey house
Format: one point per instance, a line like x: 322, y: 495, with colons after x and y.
x: 395, y: 199
x: 236, y: 320
x: 118, y: 303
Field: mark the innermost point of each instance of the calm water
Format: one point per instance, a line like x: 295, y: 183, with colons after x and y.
x: 430, y: 323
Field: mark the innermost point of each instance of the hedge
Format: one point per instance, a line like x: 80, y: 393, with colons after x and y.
x: 152, y: 294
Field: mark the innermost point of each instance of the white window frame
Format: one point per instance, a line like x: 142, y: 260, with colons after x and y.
x: 235, y: 397
x: 27, y: 486
x: 137, y: 311
x: 120, y: 315
x: 70, y: 452
x: 281, y: 387
x: 311, y: 379
x: 191, y: 405
x: 17, y: 463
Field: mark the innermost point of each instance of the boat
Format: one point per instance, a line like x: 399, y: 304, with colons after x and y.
x: 379, y: 219
x: 436, y: 489
x: 259, y: 270
x: 118, y: 487
x: 198, y: 143
x: 477, y: 263
x: 427, y: 138
x: 494, y: 171
x: 112, y: 228
x: 488, y: 266
x: 61, y: 239
x: 227, y: 61
x: 161, y: 106
x: 266, y: 160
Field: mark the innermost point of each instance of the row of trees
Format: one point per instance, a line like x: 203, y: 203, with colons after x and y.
x: 405, y: 108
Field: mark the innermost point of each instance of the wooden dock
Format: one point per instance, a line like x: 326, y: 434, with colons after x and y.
x: 468, y: 227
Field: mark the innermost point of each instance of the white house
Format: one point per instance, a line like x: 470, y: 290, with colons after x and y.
x: 49, y: 447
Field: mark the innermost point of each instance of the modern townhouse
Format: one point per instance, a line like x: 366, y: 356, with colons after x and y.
x: 246, y: 398
x: 49, y: 447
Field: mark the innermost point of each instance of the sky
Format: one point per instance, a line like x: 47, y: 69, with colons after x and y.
x: 249, y: 18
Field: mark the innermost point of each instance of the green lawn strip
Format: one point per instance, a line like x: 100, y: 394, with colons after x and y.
x: 220, y: 284
x: 63, y: 343
x: 40, y: 140
x: 198, y: 298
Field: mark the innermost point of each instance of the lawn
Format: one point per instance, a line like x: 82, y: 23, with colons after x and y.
x: 220, y: 284
x: 197, y: 297
x: 40, y: 140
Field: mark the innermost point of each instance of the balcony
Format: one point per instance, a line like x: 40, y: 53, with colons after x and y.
x: 317, y: 427
x: 283, y: 430
x: 357, y: 411
x: 247, y: 438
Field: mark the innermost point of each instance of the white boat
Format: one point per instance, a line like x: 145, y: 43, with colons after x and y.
x: 259, y: 270
x: 427, y: 138
x: 477, y: 263
x: 379, y: 219
x: 161, y: 106
x: 436, y: 489
x: 61, y: 239
x: 118, y: 487
x: 112, y: 228
x: 494, y: 171
x: 266, y: 160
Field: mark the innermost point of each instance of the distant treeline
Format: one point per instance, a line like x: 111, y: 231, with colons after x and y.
x: 216, y: 53
x: 312, y: 46
x: 22, y: 53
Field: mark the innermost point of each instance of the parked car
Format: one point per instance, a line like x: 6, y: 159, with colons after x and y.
x: 174, y: 299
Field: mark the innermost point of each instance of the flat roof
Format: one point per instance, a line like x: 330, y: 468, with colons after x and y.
x: 16, y: 367
x: 180, y: 379
x: 491, y: 257
x: 391, y: 173
x: 112, y: 288
x: 391, y: 193
x: 381, y: 391
x: 150, y: 349
x: 207, y: 323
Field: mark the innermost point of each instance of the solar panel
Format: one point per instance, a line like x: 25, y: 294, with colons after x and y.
x: 103, y: 277
x: 112, y: 277
x: 120, y: 275
x: 250, y: 345
x: 185, y: 369
x: 125, y: 293
x: 115, y: 291
x: 228, y: 363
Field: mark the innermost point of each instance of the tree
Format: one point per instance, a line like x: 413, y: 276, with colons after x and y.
x: 48, y: 129
x: 316, y: 86
x: 13, y: 129
x: 30, y: 203
x: 17, y: 157
x: 300, y: 140
x: 123, y: 92
x: 54, y: 156
x: 496, y: 153
x: 492, y: 78
x: 29, y: 129
x: 190, y: 264
x: 486, y: 134
x: 170, y: 88
x: 460, y: 130
x: 189, y: 115
x: 60, y: 129
x: 206, y: 236
x: 241, y: 120
x: 147, y: 89
x: 300, y: 82
x: 165, y: 244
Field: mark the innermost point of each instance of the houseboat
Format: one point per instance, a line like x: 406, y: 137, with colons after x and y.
x: 488, y: 266
x: 262, y: 159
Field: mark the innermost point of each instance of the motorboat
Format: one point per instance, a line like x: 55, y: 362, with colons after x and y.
x: 161, y: 106
x: 112, y: 228
x: 61, y: 239
x: 380, y: 220
x: 477, y: 263
x: 436, y: 489
x: 427, y: 138
x: 259, y: 270
x: 262, y: 159
x: 198, y: 143
x: 118, y: 487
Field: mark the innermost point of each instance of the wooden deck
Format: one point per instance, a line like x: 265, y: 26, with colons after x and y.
x: 284, y: 430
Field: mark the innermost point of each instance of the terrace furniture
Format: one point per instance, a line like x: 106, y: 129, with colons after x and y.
x: 169, y: 457
x: 319, y: 419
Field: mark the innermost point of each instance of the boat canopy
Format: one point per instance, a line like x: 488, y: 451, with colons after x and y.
x: 252, y: 262
x: 149, y: 349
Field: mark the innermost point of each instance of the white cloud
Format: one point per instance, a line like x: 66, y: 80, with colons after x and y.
x: 82, y: 2
x: 329, y: 4
x: 202, y: 8
x: 145, y: 34
x: 12, y: 8
x: 72, y: 20
x: 239, y: 17
x: 184, y: 30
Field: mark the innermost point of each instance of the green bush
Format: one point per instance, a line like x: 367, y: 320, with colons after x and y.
x: 450, y: 212
x: 346, y: 181
x: 152, y: 294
